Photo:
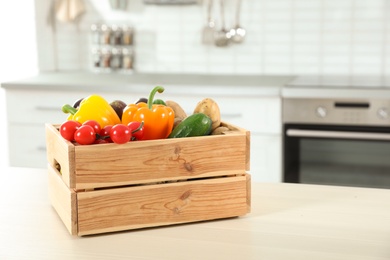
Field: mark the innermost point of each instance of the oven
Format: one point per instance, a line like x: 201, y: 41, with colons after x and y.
x: 337, y: 141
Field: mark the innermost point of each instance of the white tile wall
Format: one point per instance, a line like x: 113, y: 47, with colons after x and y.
x: 283, y: 37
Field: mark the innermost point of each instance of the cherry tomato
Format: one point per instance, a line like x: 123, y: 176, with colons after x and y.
x: 95, y: 125
x: 105, y: 133
x: 85, y: 134
x: 120, y: 134
x: 68, y: 128
x: 137, y: 134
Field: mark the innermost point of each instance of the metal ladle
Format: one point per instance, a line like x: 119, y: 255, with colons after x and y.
x: 222, y: 37
x: 208, y: 30
x: 238, y: 33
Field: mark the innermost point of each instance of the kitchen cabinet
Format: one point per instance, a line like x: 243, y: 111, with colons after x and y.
x: 266, y: 159
x: 27, y: 143
x: 259, y: 111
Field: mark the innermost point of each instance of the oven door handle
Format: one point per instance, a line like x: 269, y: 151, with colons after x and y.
x: 337, y: 134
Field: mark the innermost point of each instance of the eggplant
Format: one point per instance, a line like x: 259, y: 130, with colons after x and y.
x: 76, y: 104
x: 145, y: 100
x: 118, y: 106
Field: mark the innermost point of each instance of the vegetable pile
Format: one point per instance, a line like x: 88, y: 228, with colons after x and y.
x: 93, y: 120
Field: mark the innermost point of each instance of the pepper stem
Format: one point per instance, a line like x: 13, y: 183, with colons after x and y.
x: 68, y: 109
x: 156, y: 89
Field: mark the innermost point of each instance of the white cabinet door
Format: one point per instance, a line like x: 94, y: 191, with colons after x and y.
x: 27, y: 145
x: 266, y: 158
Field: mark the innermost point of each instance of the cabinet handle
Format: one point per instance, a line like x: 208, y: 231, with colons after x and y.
x: 232, y: 115
x: 337, y: 134
x: 41, y: 148
x: 43, y: 108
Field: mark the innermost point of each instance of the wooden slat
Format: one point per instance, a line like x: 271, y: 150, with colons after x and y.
x: 249, y: 192
x: 248, y: 151
x: 63, y: 200
x: 162, y: 204
x: 238, y: 130
x: 160, y: 160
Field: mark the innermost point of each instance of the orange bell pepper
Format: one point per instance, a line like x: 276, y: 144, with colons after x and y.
x: 158, y: 119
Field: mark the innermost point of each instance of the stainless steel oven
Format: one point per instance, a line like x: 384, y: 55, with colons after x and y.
x: 337, y: 141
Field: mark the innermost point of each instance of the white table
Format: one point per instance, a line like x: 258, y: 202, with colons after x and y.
x: 288, y: 221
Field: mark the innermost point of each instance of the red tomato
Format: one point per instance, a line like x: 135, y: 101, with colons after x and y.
x: 136, y: 131
x: 105, y: 133
x: 95, y: 125
x: 68, y: 128
x: 120, y: 134
x: 85, y: 134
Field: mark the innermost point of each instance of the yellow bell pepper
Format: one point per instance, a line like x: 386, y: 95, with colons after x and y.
x: 93, y: 107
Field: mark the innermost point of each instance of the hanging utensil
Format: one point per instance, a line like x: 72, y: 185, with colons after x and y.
x: 118, y: 4
x: 69, y: 10
x: 238, y: 32
x: 222, y: 37
x: 208, y: 30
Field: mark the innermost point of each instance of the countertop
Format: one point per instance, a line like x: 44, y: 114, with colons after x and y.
x: 178, y: 83
x: 288, y: 221
x: 338, y: 86
x: 287, y: 86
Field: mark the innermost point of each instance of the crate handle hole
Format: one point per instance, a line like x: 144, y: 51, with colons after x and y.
x: 57, y: 166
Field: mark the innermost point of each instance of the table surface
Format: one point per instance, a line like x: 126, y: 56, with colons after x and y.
x: 287, y: 221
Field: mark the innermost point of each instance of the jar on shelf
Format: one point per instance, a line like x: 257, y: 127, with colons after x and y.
x: 95, y: 33
x: 127, y: 35
x: 105, y: 37
x: 127, y: 59
x: 96, y: 58
x: 105, y: 61
x: 116, y: 58
x: 116, y: 35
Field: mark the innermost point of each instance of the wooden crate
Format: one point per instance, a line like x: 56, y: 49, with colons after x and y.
x: 110, y: 187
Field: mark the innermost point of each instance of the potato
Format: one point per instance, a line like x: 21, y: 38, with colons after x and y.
x: 220, y: 130
x: 177, y: 109
x: 177, y: 121
x: 210, y: 108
